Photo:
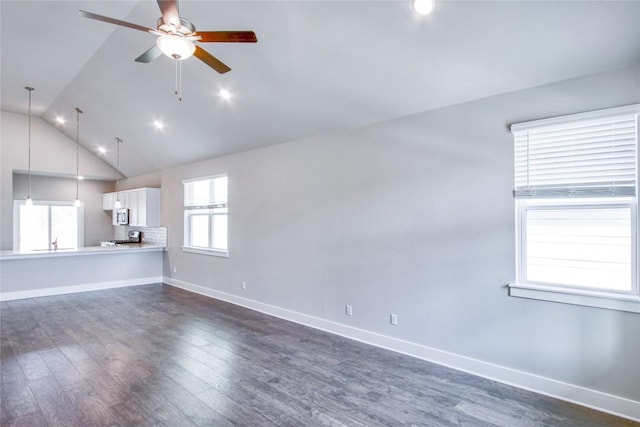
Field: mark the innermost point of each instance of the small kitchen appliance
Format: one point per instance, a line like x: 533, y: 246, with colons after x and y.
x: 122, y: 216
x: 135, y: 236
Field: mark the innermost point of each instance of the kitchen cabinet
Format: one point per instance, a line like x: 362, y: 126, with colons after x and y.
x: 123, y: 196
x: 108, y: 200
x: 146, y: 204
x: 143, y: 205
x: 134, y: 209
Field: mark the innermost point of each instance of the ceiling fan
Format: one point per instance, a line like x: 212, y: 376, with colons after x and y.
x: 177, y: 36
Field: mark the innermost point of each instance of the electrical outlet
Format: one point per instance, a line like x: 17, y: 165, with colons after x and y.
x: 393, y: 319
x: 348, y: 310
x: 244, y: 285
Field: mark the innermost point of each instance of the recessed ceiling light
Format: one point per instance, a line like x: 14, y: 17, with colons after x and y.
x: 423, y: 7
x: 224, y: 94
x: 158, y: 124
x: 60, y: 120
x: 102, y: 150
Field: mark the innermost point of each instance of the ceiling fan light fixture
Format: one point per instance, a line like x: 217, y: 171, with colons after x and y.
x: 176, y: 47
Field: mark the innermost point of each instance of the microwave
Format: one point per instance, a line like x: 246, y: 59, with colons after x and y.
x: 122, y: 216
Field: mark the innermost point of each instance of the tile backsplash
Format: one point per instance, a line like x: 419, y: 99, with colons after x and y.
x: 150, y: 235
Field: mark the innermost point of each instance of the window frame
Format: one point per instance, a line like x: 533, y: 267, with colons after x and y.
x: 210, y: 213
x: 17, y: 204
x: 628, y: 301
x: 581, y: 295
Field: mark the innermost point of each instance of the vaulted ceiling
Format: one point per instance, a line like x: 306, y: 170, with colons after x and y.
x: 318, y: 66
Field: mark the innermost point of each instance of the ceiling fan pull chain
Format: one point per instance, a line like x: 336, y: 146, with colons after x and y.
x: 178, y: 90
x: 175, y: 92
x: 180, y: 81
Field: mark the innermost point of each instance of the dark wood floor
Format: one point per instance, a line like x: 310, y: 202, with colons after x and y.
x: 156, y: 355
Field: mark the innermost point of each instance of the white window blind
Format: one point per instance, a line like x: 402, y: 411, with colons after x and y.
x: 208, y: 193
x: 586, y: 155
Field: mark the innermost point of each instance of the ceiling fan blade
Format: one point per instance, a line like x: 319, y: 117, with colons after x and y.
x: 116, y: 21
x: 227, y: 36
x: 210, y: 60
x: 151, y: 54
x: 170, y: 14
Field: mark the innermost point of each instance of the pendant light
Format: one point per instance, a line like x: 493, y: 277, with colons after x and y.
x: 77, y: 202
x: 29, y: 201
x: 117, y: 204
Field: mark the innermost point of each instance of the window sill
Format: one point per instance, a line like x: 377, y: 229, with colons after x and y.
x: 203, y: 251
x: 607, y: 300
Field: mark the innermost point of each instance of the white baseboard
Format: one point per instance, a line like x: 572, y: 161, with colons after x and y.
x: 97, y: 286
x: 605, y: 402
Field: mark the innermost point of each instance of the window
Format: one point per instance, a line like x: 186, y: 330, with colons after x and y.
x: 206, y: 215
x: 576, y: 209
x: 37, y: 226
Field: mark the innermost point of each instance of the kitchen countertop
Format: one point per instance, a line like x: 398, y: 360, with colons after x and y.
x: 89, y: 250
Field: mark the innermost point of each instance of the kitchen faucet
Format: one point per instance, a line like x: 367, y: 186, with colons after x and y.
x: 55, y: 244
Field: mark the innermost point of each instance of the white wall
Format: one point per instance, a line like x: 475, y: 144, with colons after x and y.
x: 52, y: 153
x: 413, y: 216
x: 150, y: 180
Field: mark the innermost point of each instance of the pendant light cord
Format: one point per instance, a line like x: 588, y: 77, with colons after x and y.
x: 118, y: 142
x: 30, y: 89
x: 78, y: 112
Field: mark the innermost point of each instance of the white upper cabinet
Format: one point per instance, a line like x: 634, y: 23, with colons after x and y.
x: 132, y: 205
x: 143, y: 205
x: 124, y: 199
x: 108, y: 200
x: 148, y: 207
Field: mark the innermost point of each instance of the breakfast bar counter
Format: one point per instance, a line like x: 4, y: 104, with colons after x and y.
x: 27, y: 274
x: 89, y: 250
